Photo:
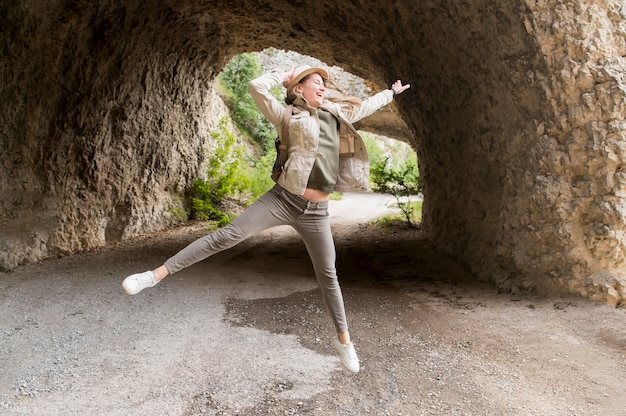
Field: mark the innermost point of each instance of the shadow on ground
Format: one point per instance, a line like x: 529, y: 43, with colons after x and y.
x: 246, y: 333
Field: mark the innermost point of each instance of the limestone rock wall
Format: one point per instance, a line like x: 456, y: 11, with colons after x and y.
x: 577, y: 179
x: 103, y: 122
x: 538, y: 131
x: 516, y: 112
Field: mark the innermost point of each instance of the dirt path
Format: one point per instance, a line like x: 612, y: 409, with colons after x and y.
x: 245, y: 333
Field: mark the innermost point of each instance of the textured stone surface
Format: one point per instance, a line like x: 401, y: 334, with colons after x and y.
x: 516, y: 111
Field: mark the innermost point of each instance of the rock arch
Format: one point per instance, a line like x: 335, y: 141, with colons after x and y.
x: 517, y: 114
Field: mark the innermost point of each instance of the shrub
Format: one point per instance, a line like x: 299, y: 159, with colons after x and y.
x: 401, y: 182
x: 225, y: 175
x: 394, y: 171
x: 259, y: 173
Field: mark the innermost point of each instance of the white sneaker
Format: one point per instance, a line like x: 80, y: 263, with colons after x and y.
x: 135, y: 283
x: 348, y: 355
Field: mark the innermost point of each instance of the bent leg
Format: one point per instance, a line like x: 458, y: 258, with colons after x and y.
x: 268, y: 211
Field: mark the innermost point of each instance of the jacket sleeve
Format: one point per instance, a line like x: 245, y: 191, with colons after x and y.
x: 369, y: 106
x: 268, y: 104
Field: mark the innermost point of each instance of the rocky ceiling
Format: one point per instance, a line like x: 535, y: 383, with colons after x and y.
x: 516, y: 111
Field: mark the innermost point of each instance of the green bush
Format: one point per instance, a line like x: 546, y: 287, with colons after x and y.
x: 394, y: 220
x: 259, y: 173
x: 393, y: 170
x: 400, y: 181
x: 225, y: 175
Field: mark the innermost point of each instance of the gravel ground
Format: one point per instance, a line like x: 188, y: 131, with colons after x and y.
x: 246, y: 333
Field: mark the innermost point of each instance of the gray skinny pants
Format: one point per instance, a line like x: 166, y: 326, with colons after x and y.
x: 279, y: 207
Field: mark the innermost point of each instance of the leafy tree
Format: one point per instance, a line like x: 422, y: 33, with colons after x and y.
x: 401, y: 181
x: 235, y: 78
x: 249, y: 120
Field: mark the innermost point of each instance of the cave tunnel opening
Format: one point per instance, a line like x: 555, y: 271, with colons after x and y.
x: 106, y: 108
x: 393, y: 161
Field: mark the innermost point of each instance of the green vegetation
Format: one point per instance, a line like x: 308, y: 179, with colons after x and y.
x: 397, y: 220
x: 249, y: 120
x: 230, y: 172
x: 233, y: 172
x: 336, y: 196
x: 176, y: 210
x: 394, y: 171
x: 225, y: 176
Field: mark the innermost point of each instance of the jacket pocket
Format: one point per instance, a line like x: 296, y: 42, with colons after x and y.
x: 346, y: 144
x: 353, y: 175
x: 297, y: 170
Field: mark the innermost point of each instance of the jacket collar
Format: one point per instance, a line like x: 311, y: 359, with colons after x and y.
x: 300, y: 101
x: 329, y: 106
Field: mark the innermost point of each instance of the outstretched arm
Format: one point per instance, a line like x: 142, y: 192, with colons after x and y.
x: 375, y: 102
x: 398, y: 88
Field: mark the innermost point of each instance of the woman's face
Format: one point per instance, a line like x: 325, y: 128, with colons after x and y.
x: 312, y: 89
